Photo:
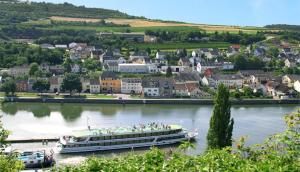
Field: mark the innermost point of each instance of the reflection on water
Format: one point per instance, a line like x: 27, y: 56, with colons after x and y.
x: 37, y: 120
x: 70, y: 112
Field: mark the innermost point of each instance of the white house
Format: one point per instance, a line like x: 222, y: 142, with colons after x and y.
x: 212, y: 54
x: 233, y: 50
x: 131, y: 86
x: 205, y: 81
x: 175, y: 69
x: 150, y: 87
x: 231, y: 81
x: 75, y: 68
x: 55, y: 84
x: 160, y: 55
x: 289, y: 63
x: 111, y: 66
x: 18, y: 70
x: 297, y: 86
x: 85, y: 85
x: 181, y: 90
x: 94, y: 86
x: 137, y: 68
x: 292, y: 81
x: 140, y: 54
x: 61, y: 46
x: 227, y: 66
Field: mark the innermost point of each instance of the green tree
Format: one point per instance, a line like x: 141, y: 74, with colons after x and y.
x: 9, y: 87
x: 71, y: 82
x: 67, y: 65
x: 34, y: 67
x: 273, y: 52
x: 169, y: 72
x: 148, y: 50
x: 41, y: 85
x: 221, y: 124
x: 8, y: 163
x: 248, y: 92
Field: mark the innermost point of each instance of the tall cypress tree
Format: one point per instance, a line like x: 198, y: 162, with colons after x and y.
x: 221, y: 124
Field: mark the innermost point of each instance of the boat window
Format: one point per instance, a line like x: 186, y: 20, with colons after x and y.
x: 80, y: 139
x: 94, y: 138
x: 107, y: 137
x: 113, y: 137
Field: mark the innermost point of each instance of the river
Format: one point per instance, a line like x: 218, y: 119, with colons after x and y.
x: 36, y: 120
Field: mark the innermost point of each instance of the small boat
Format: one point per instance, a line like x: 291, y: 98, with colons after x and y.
x: 36, y: 159
x: 152, y: 134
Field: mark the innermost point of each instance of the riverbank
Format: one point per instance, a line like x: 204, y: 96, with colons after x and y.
x: 148, y: 101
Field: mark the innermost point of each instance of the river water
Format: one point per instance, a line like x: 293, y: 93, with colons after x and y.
x: 35, y: 120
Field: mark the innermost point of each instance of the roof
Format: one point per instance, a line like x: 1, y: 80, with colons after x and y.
x: 204, y: 49
x: 180, y: 86
x: 228, y: 77
x: 125, y: 130
x: 187, y: 76
x: 112, y: 63
x: 294, y: 77
x: 236, y: 46
x: 209, y: 63
x: 162, y: 53
x: 214, y: 52
x: 140, y: 53
x: 94, y: 82
x: 192, y: 86
x: 21, y: 82
x: 185, y: 60
x: 251, y: 72
x: 281, y: 87
x: 150, y: 82
x: 109, y: 74
x: 132, y: 80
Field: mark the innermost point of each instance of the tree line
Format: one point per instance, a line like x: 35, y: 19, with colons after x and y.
x: 16, y: 54
x: 20, y: 12
x: 198, y: 36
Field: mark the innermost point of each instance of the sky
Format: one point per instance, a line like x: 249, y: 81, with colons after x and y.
x: 220, y: 12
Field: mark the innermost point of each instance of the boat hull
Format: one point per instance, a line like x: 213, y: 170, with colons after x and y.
x: 120, y: 147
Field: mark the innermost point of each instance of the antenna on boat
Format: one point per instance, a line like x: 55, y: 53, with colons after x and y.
x: 87, y: 122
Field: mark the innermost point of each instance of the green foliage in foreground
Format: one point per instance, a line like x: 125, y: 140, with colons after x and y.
x: 280, y: 152
x: 7, y: 163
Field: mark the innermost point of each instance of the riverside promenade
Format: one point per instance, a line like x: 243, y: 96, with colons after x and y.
x: 149, y: 101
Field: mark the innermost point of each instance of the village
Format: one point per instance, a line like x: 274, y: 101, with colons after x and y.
x: 196, y: 74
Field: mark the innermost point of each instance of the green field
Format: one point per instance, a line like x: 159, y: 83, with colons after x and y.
x: 166, y: 46
x: 120, y: 29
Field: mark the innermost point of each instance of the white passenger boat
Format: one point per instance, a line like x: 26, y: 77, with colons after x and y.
x: 153, y: 134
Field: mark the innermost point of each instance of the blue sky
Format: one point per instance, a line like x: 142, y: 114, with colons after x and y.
x: 223, y: 12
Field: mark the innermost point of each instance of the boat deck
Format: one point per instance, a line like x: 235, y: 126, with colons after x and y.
x: 153, y: 127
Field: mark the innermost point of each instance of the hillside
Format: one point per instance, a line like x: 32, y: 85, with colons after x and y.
x: 284, y: 27
x: 13, y: 12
